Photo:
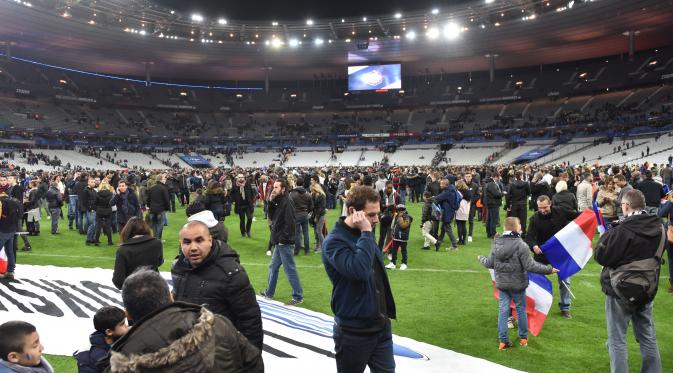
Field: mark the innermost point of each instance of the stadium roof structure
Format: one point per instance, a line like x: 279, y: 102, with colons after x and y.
x: 121, y: 36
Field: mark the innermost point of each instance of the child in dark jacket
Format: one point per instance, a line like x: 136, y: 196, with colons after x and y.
x: 400, y: 234
x: 110, y: 325
x: 511, y: 260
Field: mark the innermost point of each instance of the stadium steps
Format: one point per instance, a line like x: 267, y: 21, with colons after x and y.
x: 561, y: 156
x: 502, y: 154
x: 649, y: 155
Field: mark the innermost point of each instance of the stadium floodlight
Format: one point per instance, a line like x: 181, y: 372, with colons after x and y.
x: 343, y: 20
x: 309, y: 22
x: 435, y: 11
x: 197, y: 17
x: 571, y: 4
x: 276, y: 43
x: 142, y: 32
x: 489, y: 1
x: 222, y: 21
x: 364, y: 19
x: 398, y: 15
x: 411, y: 35
x: 451, y: 31
x: 274, y: 23
x: 319, y: 41
x: 294, y: 43
x: 433, y: 33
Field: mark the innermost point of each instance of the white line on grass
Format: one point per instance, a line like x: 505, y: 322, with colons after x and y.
x: 596, y: 275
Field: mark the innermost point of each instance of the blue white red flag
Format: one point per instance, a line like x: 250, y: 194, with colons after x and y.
x: 601, y: 226
x: 569, y: 250
x: 3, y: 260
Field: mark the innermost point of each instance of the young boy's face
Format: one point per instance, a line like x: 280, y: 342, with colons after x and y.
x: 119, y: 330
x: 32, y: 351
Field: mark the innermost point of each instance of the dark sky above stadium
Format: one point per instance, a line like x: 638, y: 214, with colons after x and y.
x: 302, y: 9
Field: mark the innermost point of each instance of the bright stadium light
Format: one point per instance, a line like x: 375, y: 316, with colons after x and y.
x: 364, y: 19
x: 294, y: 43
x: 398, y: 15
x: 222, y: 21
x: 411, y: 35
x: 274, y: 23
x: 451, y: 31
x: 309, y: 22
x: 571, y: 4
x: 319, y: 41
x: 433, y: 33
x: 197, y: 17
x: 276, y: 43
x: 435, y: 11
x: 489, y: 1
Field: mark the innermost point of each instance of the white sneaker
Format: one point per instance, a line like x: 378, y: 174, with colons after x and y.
x: 390, y: 266
x: 254, y: 218
x: 469, y: 238
x: 390, y: 256
x: 268, y: 253
x: 403, y: 267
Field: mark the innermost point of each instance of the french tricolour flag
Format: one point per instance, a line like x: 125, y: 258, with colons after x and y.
x: 538, y: 300
x: 570, y: 249
x: 3, y: 260
x: 601, y: 226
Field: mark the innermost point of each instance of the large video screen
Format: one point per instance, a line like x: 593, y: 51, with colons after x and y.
x: 371, y: 77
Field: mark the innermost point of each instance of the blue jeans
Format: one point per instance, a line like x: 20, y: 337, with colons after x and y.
x: 519, y: 298
x: 7, y: 241
x: 73, y: 212
x: 284, y: 255
x: 491, y: 221
x: 618, y: 318
x: 354, y: 352
x: 301, y: 227
x: 158, y: 220
x: 90, y: 225
x: 564, y: 302
x: 55, y: 215
x: 403, y: 195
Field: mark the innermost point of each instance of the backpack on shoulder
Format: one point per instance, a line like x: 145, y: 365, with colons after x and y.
x: 435, y: 211
x: 636, y: 283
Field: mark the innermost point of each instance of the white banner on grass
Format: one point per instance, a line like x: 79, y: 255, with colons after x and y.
x: 61, y: 302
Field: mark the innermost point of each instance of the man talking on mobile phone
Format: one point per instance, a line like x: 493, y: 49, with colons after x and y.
x: 362, y: 301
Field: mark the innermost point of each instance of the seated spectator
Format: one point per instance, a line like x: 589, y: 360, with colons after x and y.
x: 184, y: 337
x: 138, y: 249
x: 110, y: 325
x: 21, y: 349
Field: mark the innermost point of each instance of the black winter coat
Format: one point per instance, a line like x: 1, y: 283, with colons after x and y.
x: 319, y: 205
x: 240, y: 201
x: 222, y: 284
x: 492, y: 194
x: 87, y: 200
x: 158, y: 199
x: 54, y: 199
x: 543, y: 227
x: 303, y: 203
x: 517, y: 193
x: 281, y: 211
x: 132, y: 206
x: 103, y: 203
x: 137, y: 252
x: 635, y: 238
x: 566, y: 200
x: 653, y: 192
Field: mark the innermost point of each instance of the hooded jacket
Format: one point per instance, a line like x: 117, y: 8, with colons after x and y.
x: 450, y: 202
x: 222, y: 285
x: 215, y: 200
x: 216, y: 228
x: 127, y: 205
x: 87, y: 360
x: 492, y: 194
x: 183, y: 337
x: 136, y: 252
x: 566, y: 200
x: 44, y: 367
x: 517, y: 193
x: 636, y: 237
x: 511, y: 262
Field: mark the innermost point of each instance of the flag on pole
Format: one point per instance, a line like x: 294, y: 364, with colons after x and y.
x: 569, y: 250
x: 3, y: 260
x: 601, y: 226
x: 538, y: 300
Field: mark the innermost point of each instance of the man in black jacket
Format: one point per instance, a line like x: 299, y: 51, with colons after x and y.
x: 653, y: 192
x: 244, y: 197
x: 173, y: 185
x: 544, y: 224
x: 516, y: 200
x: 183, y: 183
x: 127, y: 204
x: 80, y: 212
x: 87, y: 203
x: 303, y: 204
x: 493, y: 201
x: 54, y: 204
x: 475, y: 191
x: 12, y: 211
x: 637, y: 237
x: 281, y: 210
x: 209, y: 272
x: 158, y: 203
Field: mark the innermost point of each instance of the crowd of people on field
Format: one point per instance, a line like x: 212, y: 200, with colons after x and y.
x: 208, y: 271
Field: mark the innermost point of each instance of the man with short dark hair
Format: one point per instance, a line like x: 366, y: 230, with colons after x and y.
x: 653, y: 193
x: 209, y: 272
x: 184, y: 337
x: 637, y: 237
x: 281, y: 210
x: 127, y: 204
x: 303, y: 204
x: 362, y: 301
x: 158, y: 202
x: 544, y: 224
x: 516, y: 200
x: 493, y: 201
x: 450, y: 203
